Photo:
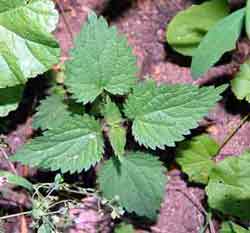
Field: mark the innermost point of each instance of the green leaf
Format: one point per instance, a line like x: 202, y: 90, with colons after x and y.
x: 116, y: 133
x: 188, y: 27
x: 16, y: 180
x: 162, y: 115
x: 138, y: 180
x: 52, y: 113
x: 9, y: 99
x: 241, y: 82
x: 247, y: 22
x: 219, y: 39
x: 74, y: 146
x: 45, y: 228
x: 228, y: 189
x: 230, y: 227
x: 195, y: 157
x: 117, y: 137
x: 111, y: 113
x: 27, y: 47
x: 101, y: 60
x: 124, y: 228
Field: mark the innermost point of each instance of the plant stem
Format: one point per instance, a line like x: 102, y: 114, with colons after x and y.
x: 15, y: 215
x: 233, y: 132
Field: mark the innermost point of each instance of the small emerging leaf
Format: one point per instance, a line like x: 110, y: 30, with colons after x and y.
x: 241, y: 82
x: 72, y: 147
x: 195, y: 157
x: 116, y: 132
x: 111, y: 113
x: 138, y: 181
x: 188, y: 27
x: 16, y: 180
x: 228, y: 189
x: 117, y: 137
x: 221, y: 38
x: 162, y: 115
x: 230, y: 227
x: 101, y: 60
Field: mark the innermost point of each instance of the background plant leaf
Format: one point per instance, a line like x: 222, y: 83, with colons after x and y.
x: 220, y: 38
x: 27, y: 48
x: 228, y: 189
x: 138, y: 180
x: 16, y: 180
x: 72, y: 147
x: 230, y: 227
x: 124, y: 228
x: 101, y: 60
x: 9, y: 99
x: 195, y: 157
x: 162, y: 115
x: 241, y: 82
x: 188, y: 27
x: 247, y: 22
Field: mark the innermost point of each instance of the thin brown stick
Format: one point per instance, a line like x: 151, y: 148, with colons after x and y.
x: 192, y: 199
x: 66, y: 23
x: 10, y: 164
x: 216, y: 72
x: 233, y: 132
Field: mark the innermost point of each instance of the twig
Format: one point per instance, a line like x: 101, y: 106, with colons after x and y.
x: 10, y: 164
x: 23, y: 225
x: 239, y: 56
x: 192, y: 199
x: 65, y: 20
x: 216, y: 72
x: 211, y: 226
x: 233, y: 132
x: 15, y: 215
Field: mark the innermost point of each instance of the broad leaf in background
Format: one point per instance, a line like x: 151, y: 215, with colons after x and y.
x: 195, y: 157
x: 162, y: 115
x: 241, y: 82
x: 52, y: 113
x: 9, y: 99
x: 101, y: 60
x: 220, y: 38
x: 187, y: 29
x: 116, y: 133
x: 230, y: 227
x: 72, y: 147
x: 228, y: 189
x: 124, y: 228
x: 27, y: 47
x: 16, y: 180
x: 247, y: 22
x: 138, y: 180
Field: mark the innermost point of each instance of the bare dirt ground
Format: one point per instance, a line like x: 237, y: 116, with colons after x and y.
x: 144, y: 23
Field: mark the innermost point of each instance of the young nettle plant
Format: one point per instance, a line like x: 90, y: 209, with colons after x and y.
x: 102, y: 66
